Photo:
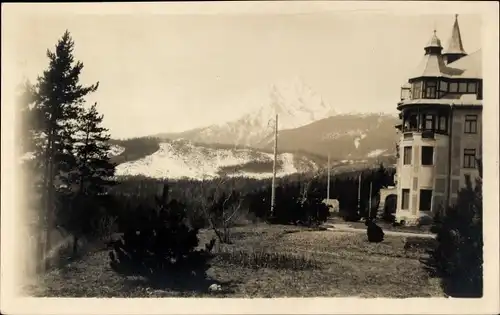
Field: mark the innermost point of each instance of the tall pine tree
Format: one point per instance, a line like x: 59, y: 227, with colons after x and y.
x: 95, y: 171
x: 458, y: 256
x: 58, y: 100
x: 92, y: 176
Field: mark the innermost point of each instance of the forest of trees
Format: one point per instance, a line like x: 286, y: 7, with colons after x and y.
x: 256, y: 194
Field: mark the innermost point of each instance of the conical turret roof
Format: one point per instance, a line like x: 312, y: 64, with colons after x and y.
x: 455, y: 45
x: 434, y: 42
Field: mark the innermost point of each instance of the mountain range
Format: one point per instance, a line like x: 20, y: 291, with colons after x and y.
x: 310, y: 129
x: 295, y: 103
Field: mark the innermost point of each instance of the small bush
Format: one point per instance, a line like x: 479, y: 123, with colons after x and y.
x: 159, y: 242
x: 374, y: 232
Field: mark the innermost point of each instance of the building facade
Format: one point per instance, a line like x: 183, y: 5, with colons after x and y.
x: 440, y: 134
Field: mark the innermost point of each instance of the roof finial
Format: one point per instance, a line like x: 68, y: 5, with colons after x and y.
x: 455, y: 45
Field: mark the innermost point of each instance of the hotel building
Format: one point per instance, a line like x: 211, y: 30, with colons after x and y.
x: 440, y: 132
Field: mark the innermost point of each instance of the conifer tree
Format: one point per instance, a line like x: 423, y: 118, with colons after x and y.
x: 92, y: 176
x: 58, y: 100
x: 458, y: 257
x: 26, y: 118
x: 95, y: 171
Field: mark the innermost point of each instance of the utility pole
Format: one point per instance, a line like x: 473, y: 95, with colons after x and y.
x: 328, y: 182
x: 359, y: 193
x: 370, y: 201
x: 273, y: 185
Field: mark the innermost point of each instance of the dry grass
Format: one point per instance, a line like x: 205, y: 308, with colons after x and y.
x: 271, y: 261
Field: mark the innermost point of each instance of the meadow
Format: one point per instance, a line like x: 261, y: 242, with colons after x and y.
x: 267, y: 261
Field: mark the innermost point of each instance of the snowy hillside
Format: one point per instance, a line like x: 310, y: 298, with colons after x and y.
x: 182, y: 159
x: 295, y: 102
x: 115, y: 150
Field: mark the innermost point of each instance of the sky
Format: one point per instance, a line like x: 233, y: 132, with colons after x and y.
x: 165, y: 72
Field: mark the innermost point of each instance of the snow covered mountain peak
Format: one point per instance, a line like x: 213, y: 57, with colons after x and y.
x: 295, y: 103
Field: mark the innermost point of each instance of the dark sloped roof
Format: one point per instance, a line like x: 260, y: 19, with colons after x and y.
x: 433, y: 64
x: 471, y: 65
x: 466, y: 67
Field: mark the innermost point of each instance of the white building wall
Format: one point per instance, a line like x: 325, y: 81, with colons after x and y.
x: 416, y: 176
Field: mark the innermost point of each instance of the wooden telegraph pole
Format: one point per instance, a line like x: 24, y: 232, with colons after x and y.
x: 370, y: 201
x: 273, y: 185
x: 359, y: 193
x: 328, y: 181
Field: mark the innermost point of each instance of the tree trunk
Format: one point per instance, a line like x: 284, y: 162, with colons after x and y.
x: 50, y: 211
x: 47, y: 199
x: 75, y: 245
x: 41, y: 250
x: 219, y: 236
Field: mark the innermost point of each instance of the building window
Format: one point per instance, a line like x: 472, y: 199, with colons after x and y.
x: 417, y: 90
x: 462, y: 87
x: 427, y: 155
x: 412, y: 122
x: 429, y: 122
x: 480, y: 91
x: 442, y: 123
x: 430, y: 89
x: 443, y: 86
x: 407, y: 155
x: 470, y: 124
x: 405, y: 200
x: 425, y: 199
x: 469, y: 158
x: 443, y: 89
x: 471, y: 88
x: 453, y: 87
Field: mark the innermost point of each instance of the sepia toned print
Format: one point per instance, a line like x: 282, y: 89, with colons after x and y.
x: 333, y: 154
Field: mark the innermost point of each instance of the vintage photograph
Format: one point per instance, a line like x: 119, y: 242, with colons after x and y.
x: 232, y: 154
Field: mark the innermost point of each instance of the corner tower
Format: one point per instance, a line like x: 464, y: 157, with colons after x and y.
x: 440, y: 131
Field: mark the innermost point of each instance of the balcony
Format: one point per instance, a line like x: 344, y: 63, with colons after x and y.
x: 428, y: 134
x: 408, y: 135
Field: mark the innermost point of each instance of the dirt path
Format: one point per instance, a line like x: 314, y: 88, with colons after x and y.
x: 348, y: 228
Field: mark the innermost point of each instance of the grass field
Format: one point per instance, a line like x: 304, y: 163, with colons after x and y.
x: 321, y: 263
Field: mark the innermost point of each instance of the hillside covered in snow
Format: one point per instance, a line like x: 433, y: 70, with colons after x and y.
x: 183, y: 159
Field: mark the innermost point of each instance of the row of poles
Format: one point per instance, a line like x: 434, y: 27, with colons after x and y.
x: 273, y: 184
